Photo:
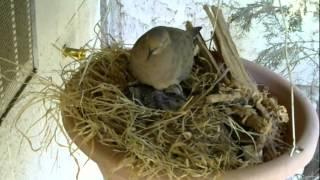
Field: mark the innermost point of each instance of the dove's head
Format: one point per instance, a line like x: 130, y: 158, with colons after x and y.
x: 157, y: 40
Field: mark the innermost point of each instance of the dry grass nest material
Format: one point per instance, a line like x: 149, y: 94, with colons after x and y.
x: 222, y: 126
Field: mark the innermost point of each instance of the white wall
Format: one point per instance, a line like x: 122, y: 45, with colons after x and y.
x: 54, y: 25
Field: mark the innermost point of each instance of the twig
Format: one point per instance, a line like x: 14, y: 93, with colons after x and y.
x: 293, y: 122
x: 215, y: 98
x: 227, y: 47
x: 204, y: 51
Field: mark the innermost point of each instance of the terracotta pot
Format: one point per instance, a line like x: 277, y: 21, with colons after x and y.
x: 307, y: 133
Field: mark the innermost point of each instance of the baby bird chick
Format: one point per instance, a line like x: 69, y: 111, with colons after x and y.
x: 163, y: 56
x: 148, y: 96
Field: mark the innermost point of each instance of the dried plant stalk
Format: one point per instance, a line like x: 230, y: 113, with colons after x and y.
x: 227, y: 48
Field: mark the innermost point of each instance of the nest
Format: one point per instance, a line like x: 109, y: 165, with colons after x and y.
x: 226, y: 122
x: 222, y: 125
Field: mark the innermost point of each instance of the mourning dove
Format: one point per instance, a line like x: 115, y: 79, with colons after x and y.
x: 163, y: 56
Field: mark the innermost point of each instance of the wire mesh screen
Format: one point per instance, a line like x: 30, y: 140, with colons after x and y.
x: 16, y: 48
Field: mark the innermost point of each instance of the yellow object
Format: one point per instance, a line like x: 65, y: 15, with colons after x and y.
x: 77, y: 54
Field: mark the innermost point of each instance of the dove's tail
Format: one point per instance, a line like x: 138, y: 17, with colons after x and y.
x: 196, y: 30
x: 193, y: 30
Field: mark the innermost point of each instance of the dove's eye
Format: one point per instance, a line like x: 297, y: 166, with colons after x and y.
x: 153, y: 51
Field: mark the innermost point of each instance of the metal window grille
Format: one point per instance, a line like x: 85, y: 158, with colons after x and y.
x: 17, y: 49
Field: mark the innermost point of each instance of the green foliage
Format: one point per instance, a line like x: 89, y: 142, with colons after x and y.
x: 262, y: 10
x: 300, y: 47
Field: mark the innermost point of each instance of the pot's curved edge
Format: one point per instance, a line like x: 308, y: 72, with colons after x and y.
x: 283, y: 166
x: 106, y: 159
